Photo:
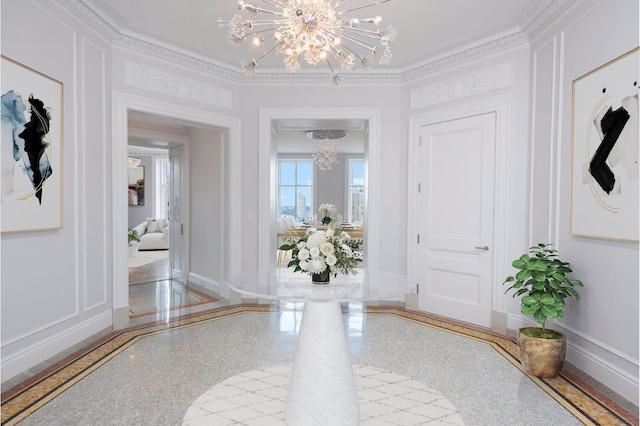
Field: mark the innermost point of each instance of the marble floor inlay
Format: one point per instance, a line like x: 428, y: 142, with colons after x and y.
x: 153, y: 374
x: 258, y: 397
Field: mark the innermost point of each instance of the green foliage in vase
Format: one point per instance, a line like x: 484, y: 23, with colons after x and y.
x: 542, y: 282
x: 133, y: 236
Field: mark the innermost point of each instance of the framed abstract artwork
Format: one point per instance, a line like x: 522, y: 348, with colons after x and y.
x: 31, y: 149
x: 604, y: 151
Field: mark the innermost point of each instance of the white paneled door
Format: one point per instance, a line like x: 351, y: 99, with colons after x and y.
x: 455, y: 210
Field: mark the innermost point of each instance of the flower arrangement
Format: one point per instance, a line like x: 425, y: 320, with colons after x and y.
x: 324, y: 252
x: 133, y: 236
x: 327, y: 211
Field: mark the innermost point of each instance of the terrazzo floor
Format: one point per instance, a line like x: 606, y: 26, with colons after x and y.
x: 159, y: 373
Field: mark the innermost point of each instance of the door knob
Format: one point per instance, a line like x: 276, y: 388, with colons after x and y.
x: 485, y: 248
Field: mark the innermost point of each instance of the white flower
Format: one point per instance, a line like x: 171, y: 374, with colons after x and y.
x: 331, y: 260
x: 313, y: 251
x: 304, y: 265
x: 329, y: 232
x: 311, y: 230
x: 301, y: 245
x: 316, y: 239
x: 327, y: 209
x: 303, y: 254
x: 344, y: 235
x: 327, y: 248
x: 347, y: 250
x: 317, y: 265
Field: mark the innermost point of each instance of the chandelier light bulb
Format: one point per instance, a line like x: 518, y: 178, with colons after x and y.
x: 313, y: 30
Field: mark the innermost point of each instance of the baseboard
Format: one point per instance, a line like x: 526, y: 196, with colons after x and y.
x: 602, y: 363
x: 34, y: 358
x: 209, y: 284
x: 608, y: 366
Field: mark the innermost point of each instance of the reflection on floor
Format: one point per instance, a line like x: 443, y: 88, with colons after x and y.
x: 159, y: 297
x: 154, y: 297
x: 124, y: 379
x: 152, y: 271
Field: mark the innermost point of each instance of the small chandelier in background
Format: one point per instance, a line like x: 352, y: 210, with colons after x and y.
x: 314, y: 30
x: 326, y: 152
x: 133, y: 162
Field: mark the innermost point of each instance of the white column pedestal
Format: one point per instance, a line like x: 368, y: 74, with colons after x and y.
x: 322, y: 389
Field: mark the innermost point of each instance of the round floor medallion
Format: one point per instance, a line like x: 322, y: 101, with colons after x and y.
x: 258, y: 397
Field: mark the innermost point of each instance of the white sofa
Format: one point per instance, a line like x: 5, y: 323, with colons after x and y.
x: 158, y: 239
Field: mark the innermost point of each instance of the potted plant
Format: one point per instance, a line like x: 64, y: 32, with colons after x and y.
x: 542, y: 283
x: 327, y: 211
x: 134, y: 240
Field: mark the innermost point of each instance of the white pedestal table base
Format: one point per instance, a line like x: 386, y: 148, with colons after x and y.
x: 322, y: 389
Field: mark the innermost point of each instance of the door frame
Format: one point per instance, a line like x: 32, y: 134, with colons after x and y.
x: 501, y: 106
x: 267, y: 173
x: 185, y: 196
x: 230, y: 126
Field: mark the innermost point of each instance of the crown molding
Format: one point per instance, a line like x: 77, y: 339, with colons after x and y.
x: 165, y: 83
x: 478, y: 82
x: 115, y: 33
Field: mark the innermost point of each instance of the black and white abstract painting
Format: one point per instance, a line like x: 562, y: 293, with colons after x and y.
x: 605, y: 145
x: 31, y: 149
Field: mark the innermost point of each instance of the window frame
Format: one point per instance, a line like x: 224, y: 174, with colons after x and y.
x: 312, y: 186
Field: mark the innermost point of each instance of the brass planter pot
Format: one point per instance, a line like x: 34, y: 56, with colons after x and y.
x: 541, y: 357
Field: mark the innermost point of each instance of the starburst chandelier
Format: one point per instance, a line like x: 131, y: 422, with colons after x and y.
x: 313, y: 30
x: 326, y: 151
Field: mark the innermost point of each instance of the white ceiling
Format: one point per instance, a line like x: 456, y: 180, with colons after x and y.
x: 426, y: 29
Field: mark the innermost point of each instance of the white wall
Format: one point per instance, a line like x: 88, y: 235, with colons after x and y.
x: 207, y: 212
x: 331, y: 186
x: 602, y: 327
x: 56, y: 285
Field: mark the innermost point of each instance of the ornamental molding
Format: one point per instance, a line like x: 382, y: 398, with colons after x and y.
x: 165, y: 83
x: 115, y: 33
x: 471, y: 84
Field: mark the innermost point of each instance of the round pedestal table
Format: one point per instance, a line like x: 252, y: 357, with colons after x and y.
x: 322, y: 389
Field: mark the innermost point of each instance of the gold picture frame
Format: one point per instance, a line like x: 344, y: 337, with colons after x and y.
x: 32, y: 142
x: 604, y: 151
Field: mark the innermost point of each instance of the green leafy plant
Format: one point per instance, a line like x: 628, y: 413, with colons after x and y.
x: 133, y: 236
x: 542, y: 283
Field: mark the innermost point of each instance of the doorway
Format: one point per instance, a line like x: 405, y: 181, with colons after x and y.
x: 270, y: 118
x: 149, y: 256
x: 319, y: 162
x: 229, y: 128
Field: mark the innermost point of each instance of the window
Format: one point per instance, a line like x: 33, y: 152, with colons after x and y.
x: 355, y: 190
x: 295, y: 188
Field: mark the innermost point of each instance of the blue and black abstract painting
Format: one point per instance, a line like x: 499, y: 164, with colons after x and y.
x: 27, y: 121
